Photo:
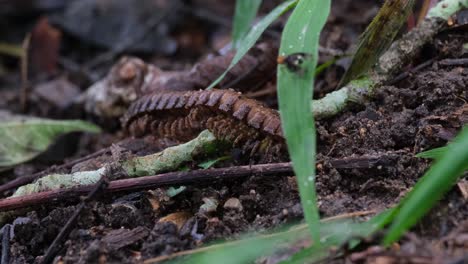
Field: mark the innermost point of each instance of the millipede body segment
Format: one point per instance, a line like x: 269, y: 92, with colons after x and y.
x: 230, y: 116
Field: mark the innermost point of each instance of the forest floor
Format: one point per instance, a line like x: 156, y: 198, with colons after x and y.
x: 366, y: 155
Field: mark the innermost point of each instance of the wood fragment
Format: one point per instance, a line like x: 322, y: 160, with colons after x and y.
x: 120, y: 238
x: 186, y: 177
x: 148, y: 182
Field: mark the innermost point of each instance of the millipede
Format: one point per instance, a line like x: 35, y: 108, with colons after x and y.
x: 230, y: 116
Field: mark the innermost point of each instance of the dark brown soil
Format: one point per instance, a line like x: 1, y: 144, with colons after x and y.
x: 418, y: 113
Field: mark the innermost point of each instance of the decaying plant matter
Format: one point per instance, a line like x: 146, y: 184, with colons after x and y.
x: 227, y: 114
x: 132, y: 78
x: 257, y: 66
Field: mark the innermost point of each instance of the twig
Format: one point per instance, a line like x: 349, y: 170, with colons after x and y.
x: 148, y: 182
x: 406, y: 74
x: 24, y: 73
x: 454, y: 62
x: 57, y: 243
x: 6, y: 244
x: 174, y: 178
x: 27, y: 179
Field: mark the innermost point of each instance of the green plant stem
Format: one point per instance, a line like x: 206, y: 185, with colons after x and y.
x: 392, y: 61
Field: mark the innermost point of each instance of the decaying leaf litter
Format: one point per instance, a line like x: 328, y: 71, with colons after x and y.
x: 365, y: 156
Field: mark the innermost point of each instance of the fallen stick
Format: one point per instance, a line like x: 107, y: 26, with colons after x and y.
x: 148, y: 182
x: 187, y: 177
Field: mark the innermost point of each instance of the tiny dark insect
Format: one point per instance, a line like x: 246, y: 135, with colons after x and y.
x: 293, y: 62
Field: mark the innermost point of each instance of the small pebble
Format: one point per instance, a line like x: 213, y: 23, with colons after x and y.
x: 233, y: 204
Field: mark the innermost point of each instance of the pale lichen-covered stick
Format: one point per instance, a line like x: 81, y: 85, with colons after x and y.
x: 169, y: 159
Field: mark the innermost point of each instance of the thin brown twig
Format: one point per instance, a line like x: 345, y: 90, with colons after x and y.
x: 24, y: 73
x: 351, y: 215
x: 406, y: 74
x: 148, y: 182
x: 172, y: 178
x: 454, y: 62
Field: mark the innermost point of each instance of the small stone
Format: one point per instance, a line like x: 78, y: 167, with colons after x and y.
x: 210, y: 204
x: 233, y: 204
x: 177, y: 218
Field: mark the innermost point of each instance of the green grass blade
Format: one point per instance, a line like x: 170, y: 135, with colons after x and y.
x: 248, y: 249
x: 432, y: 153
x: 244, y: 250
x: 437, y: 153
x: 245, y: 13
x: 430, y: 188
x: 377, y: 37
x: 295, y: 87
x: 254, y: 34
x: 334, y: 235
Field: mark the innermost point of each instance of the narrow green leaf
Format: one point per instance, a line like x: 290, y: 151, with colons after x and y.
x: 340, y: 234
x: 322, y: 67
x: 254, y: 34
x: 209, y: 163
x: 248, y: 249
x: 431, y: 187
x: 432, y: 153
x: 437, y: 153
x: 245, y: 13
x: 299, y: 48
x: 377, y: 37
x: 22, y: 140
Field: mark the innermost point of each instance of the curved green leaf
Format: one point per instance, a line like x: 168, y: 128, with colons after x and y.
x: 22, y: 140
x: 254, y: 34
x: 243, y: 17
